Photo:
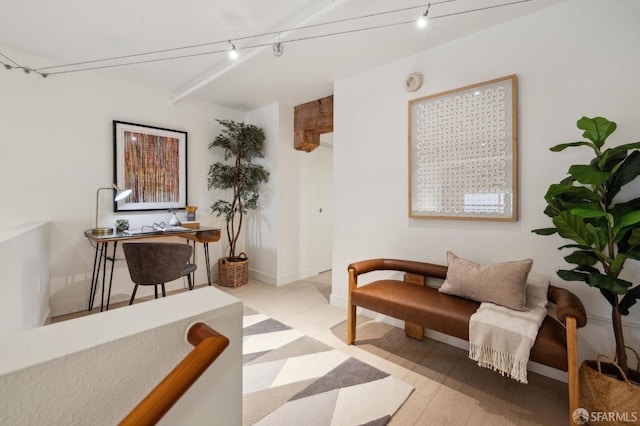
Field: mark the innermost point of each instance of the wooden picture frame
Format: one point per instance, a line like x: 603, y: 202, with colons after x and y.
x: 152, y: 162
x: 463, y: 153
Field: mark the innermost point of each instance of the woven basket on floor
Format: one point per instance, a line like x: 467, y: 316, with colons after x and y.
x: 233, y: 273
x: 599, y: 392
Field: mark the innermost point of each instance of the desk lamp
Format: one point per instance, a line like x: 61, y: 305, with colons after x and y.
x: 120, y: 194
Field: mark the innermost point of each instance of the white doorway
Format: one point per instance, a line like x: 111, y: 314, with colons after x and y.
x: 317, y: 206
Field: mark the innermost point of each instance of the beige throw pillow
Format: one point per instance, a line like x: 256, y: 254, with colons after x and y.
x: 499, y: 283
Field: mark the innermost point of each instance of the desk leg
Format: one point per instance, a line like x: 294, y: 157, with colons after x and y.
x: 206, y: 258
x: 97, y: 259
x: 104, y: 273
x: 192, y: 281
x: 113, y: 264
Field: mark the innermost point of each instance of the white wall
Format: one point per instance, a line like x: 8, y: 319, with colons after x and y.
x: 316, y: 207
x: 577, y: 58
x: 284, y: 239
x: 24, y: 262
x: 96, y: 369
x: 57, y: 148
x: 263, y: 224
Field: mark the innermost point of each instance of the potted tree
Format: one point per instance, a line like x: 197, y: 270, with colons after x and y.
x: 605, y: 231
x: 241, y: 143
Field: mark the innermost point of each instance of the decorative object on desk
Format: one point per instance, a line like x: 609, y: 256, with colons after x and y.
x: 122, y: 225
x: 606, y: 232
x: 241, y: 143
x: 152, y: 162
x: 119, y: 194
x: 174, y: 221
x: 191, y: 224
x: 191, y: 213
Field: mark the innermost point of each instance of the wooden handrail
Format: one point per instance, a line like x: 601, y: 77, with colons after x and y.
x: 209, y: 344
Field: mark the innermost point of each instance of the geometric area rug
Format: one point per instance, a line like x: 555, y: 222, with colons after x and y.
x: 290, y: 378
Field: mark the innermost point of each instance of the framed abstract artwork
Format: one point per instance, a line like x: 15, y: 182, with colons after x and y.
x: 152, y: 162
x: 463, y: 153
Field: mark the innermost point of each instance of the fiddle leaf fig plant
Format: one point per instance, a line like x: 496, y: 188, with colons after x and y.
x: 241, y: 143
x: 606, y: 231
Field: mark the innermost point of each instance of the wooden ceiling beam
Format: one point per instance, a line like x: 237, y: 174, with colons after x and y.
x: 310, y: 120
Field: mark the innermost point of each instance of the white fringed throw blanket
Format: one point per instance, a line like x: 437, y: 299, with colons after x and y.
x: 501, y: 338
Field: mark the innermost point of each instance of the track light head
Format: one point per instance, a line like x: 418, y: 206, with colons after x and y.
x: 422, y: 20
x: 233, y: 53
x: 278, y: 49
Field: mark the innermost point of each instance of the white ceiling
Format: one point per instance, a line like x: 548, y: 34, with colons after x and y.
x: 61, y: 32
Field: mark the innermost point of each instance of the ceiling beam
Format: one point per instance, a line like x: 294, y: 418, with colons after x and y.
x: 310, y: 120
x: 244, y: 58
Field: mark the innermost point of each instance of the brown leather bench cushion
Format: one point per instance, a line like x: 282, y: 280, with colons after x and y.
x: 450, y: 315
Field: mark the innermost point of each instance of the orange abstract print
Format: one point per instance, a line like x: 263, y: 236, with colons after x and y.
x: 151, y: 167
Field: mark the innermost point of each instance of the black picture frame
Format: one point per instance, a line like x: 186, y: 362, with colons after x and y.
x: 152, y: 162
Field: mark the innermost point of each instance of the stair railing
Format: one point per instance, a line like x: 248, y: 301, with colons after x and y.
x: 208, y: 345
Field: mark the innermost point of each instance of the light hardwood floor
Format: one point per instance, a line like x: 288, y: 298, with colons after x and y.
x: 449, y: 388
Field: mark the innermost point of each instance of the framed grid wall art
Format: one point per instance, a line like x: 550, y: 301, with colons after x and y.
x: 152, y: 162
x: 463, y: 153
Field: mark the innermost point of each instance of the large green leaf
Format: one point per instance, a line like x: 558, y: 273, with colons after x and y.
x: 615, y: 285
x: 570, y: 193
x: 573, y: 227
x: 634, y: 239
x: 570, y: 204
x: 582, y: 258
x: 622, y: 209
x: 629, y: 300
x: 586, y: 268
x: 599, y: 231
x: 609, y: 159
x: 588, y: 175
x: 629, y: 219
x: 626, y: 147
x: 633, y: 254
x: 627, y: 172
x: 578, y: 246
x: 580, y: 193
x: 551, y: 210
x: 621, y: 237
x: 564, y: 146
x: 596, y: 129
x: 590, y: 213
x: 572, y: 275
x: 556, y: 189
x: 545, y: 231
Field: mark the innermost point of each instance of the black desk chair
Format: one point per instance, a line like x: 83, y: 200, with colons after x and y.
x: 158, y: 263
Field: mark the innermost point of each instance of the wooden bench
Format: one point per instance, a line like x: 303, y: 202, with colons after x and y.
x: 421, y: 306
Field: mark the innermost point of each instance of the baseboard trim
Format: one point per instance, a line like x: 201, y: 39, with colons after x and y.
x: 282, y: 279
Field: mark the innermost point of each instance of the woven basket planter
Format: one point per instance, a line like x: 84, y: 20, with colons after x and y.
x: 600, y: 392
x: 234, y: 271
